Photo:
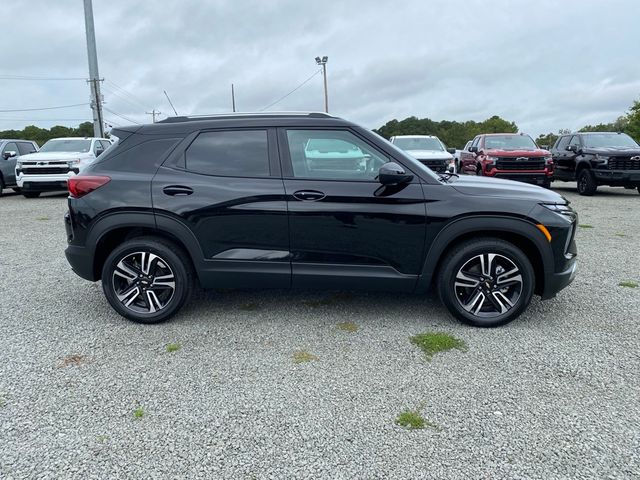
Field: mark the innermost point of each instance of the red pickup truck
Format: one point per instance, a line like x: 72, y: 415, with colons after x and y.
x: 514, y: 156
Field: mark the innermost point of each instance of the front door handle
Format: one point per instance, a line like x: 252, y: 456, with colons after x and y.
x: 309, y: 195
x: 177, y: 190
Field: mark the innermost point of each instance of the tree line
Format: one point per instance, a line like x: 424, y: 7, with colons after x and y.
x: 457, y: 134
x: 41, y: 135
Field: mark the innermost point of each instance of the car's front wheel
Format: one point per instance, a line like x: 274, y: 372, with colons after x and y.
x: 147, y: 279
x: 486, y: 282
x: 586, y: 182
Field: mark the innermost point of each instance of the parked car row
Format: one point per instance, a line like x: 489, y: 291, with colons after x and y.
x: 32, y: 170
x: 590, y: 158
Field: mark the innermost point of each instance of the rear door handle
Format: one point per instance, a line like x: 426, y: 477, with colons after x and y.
x: 309, y: 195
x: 177, y: 190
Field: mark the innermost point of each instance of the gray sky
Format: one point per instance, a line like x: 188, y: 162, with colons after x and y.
x: 543, y: 64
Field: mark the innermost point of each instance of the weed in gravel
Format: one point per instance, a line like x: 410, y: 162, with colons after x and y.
x: 330, y: 299
x: 436, y: 342
x: 102, y: 438
x: 3, y: 402
x: 173, y: 347
x: 618, y: 234
x: 249, y: 307
x: 138, y: 412
x: 302, y: 356
x: 585, y: 225
x: 43, y: 218
x: 410, y: 419
x: 73, y: 360
x: 629, y: 284
x: 348, y: 327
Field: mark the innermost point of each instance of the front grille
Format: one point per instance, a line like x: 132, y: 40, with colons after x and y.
x: 45, y: 171
x: 624, y: 163
x: 510, y: 163
x: 435, y: 165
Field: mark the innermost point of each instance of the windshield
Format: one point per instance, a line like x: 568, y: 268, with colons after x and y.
x: 509, y: 142
x: 419, y: 144
x: 66, y: 146
x: 609, y: 140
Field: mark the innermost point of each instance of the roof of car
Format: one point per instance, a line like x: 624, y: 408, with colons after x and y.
x: 592, y: 133
x: 502, y: 134
x: 183, y: 124
x: 415, y: 136
x: 15, y: 140
x: 79, y: 138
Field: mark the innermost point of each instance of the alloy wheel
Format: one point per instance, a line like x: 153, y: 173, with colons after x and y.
x: 143, y: 282
x: 488, y: 285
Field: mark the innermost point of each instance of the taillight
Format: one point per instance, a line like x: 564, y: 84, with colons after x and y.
x: 79, y: 186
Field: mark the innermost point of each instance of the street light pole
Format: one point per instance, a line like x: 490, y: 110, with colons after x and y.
x: 323, y: 61
x: 94, y: 76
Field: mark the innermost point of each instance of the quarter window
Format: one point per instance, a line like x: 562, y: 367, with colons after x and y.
x: 241, y: 153
x: 26, y: 148
x: 332, y: 155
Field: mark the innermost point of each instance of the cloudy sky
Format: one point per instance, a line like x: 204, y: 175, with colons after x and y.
x: 544, y: 64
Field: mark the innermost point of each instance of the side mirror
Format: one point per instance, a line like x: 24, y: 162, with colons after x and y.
x: 393, y: 174
x: 452, y: 151
x: 473, y: 149
x: 9, y: 154
x: 451, y: 168
x: 572, y: 148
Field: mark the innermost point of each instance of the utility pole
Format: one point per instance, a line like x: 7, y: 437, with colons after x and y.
x: 233, y: 98
x: 94, y: 76
x: 323, y: 61
x: 153, y: 114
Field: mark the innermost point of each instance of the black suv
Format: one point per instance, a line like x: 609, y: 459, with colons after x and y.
x: 250, y: 201
x: 593, y: 159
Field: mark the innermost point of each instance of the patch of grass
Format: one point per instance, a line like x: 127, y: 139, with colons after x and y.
x: 102, y: 438
x: 435, y: 342
x: 43, y: 218
x: 348, y: 327
x: 173, y: 347
x: 628, y: 284
x: 618, y: 234
x: 73, y: 360
x: 330, y: 299
x: 138, y: 412
x: 302, y: 356
x: 249, y: 307
x: 585, y: 225
x: 413, y: 420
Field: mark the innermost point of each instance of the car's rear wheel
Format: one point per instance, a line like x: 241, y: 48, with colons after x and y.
x: 586, y: 183
x: 486, y: 282
x: 1, y: 185
x: 546, y: 184
x: 31, y: 194
x: 147, y: 279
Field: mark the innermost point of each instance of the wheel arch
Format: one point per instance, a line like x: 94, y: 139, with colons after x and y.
x: 520, y: 232
x: 113, y: 230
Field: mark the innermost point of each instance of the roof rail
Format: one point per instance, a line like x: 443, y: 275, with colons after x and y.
x: 191, y: 118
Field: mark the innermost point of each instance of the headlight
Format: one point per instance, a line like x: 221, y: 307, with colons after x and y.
x: 74, y: 162
x: 492, y: 159
x: 562, y: 209
x: 548, y: 159
x: 18, y: 164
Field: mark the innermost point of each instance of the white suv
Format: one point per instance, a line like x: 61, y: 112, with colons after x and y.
x: 58, y: 160
x: 427, y: 149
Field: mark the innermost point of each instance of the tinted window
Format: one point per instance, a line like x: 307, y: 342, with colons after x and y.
x: 575, y: 140
x: 239, y: 153
x: 105, y: 144
x: 563, y: 142
x: 141, y: 157
x: 613, y: 140
x: 475, y: 142
x: 332, y: 155
x: 26, y: 148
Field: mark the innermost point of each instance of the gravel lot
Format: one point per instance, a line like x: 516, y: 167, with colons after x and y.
x: 555, y: 394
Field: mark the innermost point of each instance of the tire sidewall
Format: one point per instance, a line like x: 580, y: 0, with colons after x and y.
x: 590, y: 187
x: 182, y: 283
x: 463, y: 255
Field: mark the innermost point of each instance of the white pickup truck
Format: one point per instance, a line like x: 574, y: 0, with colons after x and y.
x: 458, y: 153
x: 59, y: 159
x: 427, y: 149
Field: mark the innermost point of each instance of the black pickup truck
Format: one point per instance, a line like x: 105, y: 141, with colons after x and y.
x: 592, y: 159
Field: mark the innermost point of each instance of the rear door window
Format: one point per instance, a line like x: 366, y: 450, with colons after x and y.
x: 25, y: 148
x: 229, y: 153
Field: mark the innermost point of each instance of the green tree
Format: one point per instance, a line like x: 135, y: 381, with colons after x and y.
x: 632, y: 126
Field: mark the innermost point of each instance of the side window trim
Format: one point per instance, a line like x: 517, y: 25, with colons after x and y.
x: 285, y: 155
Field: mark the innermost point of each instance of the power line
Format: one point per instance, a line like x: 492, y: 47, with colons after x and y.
x: 121, y: 116
x: 34, y: 77
x: 121, y: 97
x: 44, y: 108
x: 292, y: 91
x: 128, y: 94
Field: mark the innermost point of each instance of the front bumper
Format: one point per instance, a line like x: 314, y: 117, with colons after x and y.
x: 43, y: 183
x: 557, y: 281
x: 618, y: 178
x: 535, y: 178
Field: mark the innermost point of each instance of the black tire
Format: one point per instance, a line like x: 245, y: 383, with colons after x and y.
x: 31, y: 194
x: 639, y: 189
x: 454, y: 296
x: 479, y: 170
x: 171, y: 258
x: 546, y: 184
x: 1, y: 185
x: 587, y: 185
x: 16, y: 189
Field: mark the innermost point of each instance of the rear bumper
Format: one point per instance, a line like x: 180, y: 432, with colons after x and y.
x: 81, y: 261
x: 618, y: 177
